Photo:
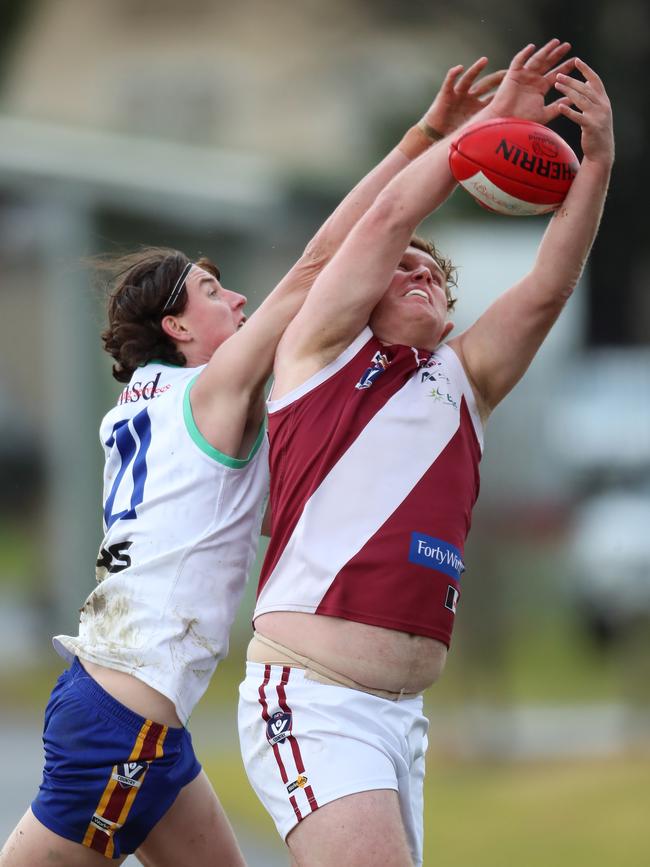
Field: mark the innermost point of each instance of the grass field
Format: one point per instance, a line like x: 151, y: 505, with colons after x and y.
x: 588, y: 813
x: 573, y: 814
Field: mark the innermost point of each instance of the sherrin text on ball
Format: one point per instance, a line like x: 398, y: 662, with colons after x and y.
x: 512, y: 166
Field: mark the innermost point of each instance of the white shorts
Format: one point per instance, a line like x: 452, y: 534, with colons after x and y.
x: 305, y: 744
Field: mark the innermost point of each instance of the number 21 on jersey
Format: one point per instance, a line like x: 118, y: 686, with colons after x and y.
x: 131, y: 438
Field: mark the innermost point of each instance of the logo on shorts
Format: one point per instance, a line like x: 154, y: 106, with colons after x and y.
x: 300, y: 783
x: 104, y: 825
x: 278, y: 727
x: 129, y: 775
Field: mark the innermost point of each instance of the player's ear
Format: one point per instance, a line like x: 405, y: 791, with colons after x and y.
x: 174, y: 328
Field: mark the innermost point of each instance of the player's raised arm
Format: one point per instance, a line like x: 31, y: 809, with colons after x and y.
x: 235, y: 377
x: 463, y: 93
x: 498, y: 348
x: 343, y: 296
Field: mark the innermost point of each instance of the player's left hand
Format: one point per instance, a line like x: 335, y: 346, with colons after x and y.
x: 529, y: 77
x: 461, y: 95
x: 588, y: 105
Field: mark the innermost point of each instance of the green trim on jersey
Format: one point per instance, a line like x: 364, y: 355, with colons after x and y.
x: 159, y: 361
x: 204, y: 445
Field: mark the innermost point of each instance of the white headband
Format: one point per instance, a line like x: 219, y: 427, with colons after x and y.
x: 178, y: 287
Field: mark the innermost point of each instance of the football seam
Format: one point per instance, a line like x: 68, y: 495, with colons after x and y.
x: 541, y: 189
x: 504, y: 121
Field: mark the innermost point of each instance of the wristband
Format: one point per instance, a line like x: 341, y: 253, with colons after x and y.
x: 414, y: 142
x: 429, y: 131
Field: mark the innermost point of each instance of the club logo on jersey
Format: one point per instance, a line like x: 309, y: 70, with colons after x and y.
x: 436, y: 554
x: 300, y: 783
x: 278, y: 727
x: 379, y: 365
x: 440, y: 382
x: 142, y: 390
x: 451, y: 602
x: 443, y: 397
x: 129, y: 775
x: 112, y: 559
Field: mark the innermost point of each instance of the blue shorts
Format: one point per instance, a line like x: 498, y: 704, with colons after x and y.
x: 109, y: 774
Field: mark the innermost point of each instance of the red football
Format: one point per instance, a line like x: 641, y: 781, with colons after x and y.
x: 513, y: 166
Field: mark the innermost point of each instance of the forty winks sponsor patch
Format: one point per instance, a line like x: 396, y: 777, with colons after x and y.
x: 436, y: 554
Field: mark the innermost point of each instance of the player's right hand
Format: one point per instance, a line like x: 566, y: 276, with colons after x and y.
x: 461, y: 95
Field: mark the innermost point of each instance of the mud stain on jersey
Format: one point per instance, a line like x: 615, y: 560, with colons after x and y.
x: 106, y: 618
x: 98, y: 603
x: 211, y: 647
x: 182, y: 654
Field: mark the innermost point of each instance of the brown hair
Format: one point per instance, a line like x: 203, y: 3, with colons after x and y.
x: 140, y: 285
x: 448, y: 268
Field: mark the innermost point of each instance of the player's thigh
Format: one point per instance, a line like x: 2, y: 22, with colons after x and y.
x: 33, y: 845
x: 356, y: 830
x: 190, y: 833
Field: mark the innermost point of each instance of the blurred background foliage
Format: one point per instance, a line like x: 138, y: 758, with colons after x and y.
x: 233, y: 130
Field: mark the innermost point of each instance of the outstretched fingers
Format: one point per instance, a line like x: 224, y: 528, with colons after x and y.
x: 586, y: 103
x: 554, y: 109
x: 582, y: 94
x: 449, y: 83
x: 521, y: 57
x: 470, y: 75
x: 459, y: 96
x: 565, y: 67
x: 566, y: 108
x: 547, y: 56
x: 590, y: 75
x: 579, y: 93
x: 489, y: 82
x: 555, y: 55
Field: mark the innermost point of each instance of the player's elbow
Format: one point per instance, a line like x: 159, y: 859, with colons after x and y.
x: 556, y: 287
x: 556, y: 294
x: 318, y: 252
x: 567, y: 290
x: 389, y: 213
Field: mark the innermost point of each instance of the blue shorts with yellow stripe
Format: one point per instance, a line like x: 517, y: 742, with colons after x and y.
x: 110, y: 774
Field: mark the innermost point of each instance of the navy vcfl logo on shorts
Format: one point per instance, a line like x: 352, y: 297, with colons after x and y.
x: 129, y: 775
x: 278, y: 727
